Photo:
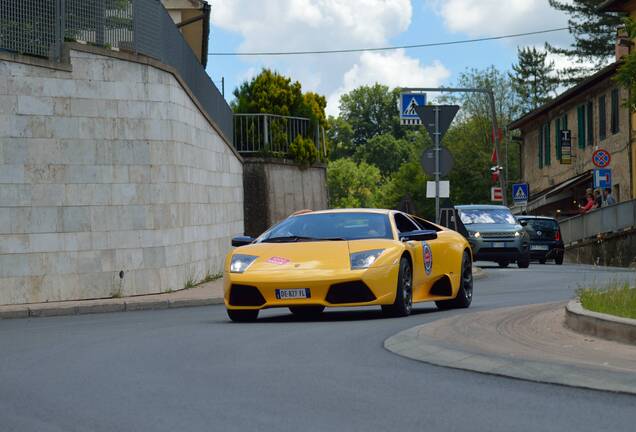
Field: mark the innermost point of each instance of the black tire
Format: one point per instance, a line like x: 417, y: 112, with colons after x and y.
x: 503, y: 264
x: 542, y: 261
x: 242, y: 315
x: 465, y: 293
x: 523, y: 262
x: 403, y: 303
x: 307, y: 311
x: 558, y: 259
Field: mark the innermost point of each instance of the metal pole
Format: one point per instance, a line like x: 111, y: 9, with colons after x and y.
x: 437, y: 149
x: 223, y: 86
x: 493, y: 113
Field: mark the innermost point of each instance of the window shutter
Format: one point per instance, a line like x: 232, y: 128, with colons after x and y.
x: 580, y: 111
x: 547, y: 151
x: 540, y: 146
x: 557, y: 137
x: 590, y: 123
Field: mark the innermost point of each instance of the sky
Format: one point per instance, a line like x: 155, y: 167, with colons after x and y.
x: 292, y: 25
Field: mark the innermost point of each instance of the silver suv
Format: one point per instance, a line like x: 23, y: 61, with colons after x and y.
x: 495, y: 235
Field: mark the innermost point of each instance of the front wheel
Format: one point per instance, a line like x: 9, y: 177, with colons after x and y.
x: 523, y: 262
x: 465, y: 293
x: 242, y: 315
x: 403, y: 303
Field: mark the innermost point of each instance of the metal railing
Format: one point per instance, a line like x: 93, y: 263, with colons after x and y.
x: 40, y: 28
x: 609, y: 219
x: 270, y: 134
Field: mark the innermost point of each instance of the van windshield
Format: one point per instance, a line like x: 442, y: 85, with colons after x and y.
x: 486, y: 216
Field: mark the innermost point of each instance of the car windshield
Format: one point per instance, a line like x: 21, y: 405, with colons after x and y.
x: 330, y: 226
x: 544, y: 225
x: 486, y: 216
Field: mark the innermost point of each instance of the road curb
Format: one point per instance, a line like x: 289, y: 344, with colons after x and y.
x: 599, y: 325
x: 415, y: 345
x: 102, y: 306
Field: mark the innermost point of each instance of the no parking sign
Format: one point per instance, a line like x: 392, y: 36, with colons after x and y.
x: 601, y: 158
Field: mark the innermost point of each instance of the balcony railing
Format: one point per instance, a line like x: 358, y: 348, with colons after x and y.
x: 269, y: 134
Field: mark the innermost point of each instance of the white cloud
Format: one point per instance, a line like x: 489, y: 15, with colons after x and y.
x: 394, y: 69
x: 479, y: 18
x: 302, y: 25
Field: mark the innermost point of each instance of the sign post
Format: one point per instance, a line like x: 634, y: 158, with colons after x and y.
x: 602, y: 178
x: 408, y: 102
x: 566, y: 147
x: 601, y: 158
x: 437, y: 119
x: 520, y: 193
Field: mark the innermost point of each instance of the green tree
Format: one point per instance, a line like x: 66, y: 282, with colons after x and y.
x: 386, y: 152
x: 594, y: 37
x: 270, y: 93
x: 533, y: 79
x: 409, y: 181
x: 351, y: 184
x: 371, y: 111
x: 340, y: 138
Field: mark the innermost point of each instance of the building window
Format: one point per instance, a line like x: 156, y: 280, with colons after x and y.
x: 602, y: 118
x: 615, y: 112
x: 580, y: 116
x: 590, y: 123
x: 546, y: 144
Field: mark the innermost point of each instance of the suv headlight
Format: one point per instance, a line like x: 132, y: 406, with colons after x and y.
x: 363, y: 260
x: 240, y: 263
x: 517, y: 234
x: 474, y: 234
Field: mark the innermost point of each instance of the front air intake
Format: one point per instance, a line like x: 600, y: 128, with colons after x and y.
x: 245, y: 295
x: 350, y: 292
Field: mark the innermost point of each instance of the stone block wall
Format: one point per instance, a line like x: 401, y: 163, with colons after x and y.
x: 112, y: 182
x: 276, y: 188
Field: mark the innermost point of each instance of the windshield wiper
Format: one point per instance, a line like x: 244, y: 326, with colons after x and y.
x: 290, y: 239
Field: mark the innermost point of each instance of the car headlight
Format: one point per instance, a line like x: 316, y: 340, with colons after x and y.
x: 517, y: 234
x: 240, y: 263
x: 362, y: 260
x: 475, y: 234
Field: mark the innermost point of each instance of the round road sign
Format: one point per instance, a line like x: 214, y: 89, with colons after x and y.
x: 445, y: 161
x: 601, y: 158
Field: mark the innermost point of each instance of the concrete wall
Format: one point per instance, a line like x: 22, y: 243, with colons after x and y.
x: 617, y: 249
x: 108, y: 167
x: 276, y: 188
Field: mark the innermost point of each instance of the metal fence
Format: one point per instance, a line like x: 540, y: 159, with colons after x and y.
x: 272, y: 134
x: 40, y: 28
x: 610, y: 219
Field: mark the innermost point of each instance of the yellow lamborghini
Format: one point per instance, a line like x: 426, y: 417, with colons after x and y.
x: 345, y: 258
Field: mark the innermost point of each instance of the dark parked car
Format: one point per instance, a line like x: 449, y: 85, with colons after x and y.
x: 546, y: 242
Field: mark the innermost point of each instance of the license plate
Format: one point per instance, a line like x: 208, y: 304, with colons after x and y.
x: 498, y: 245
x: 539, y: 247
x: 294, y: 293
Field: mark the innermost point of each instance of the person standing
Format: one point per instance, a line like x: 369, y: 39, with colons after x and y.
x: 608, y: 197
x: 598, y: 199
x: 589, y: 205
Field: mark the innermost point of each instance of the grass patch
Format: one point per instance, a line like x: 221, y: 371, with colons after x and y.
x: 191, y: 283
x: 617, y: 299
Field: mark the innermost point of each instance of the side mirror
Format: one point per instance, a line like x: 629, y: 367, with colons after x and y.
x: 523, y: 223
x: 418, y: 235
x: 242, y: 241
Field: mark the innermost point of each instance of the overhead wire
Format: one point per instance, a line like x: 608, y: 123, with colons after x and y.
x: 388, y: 48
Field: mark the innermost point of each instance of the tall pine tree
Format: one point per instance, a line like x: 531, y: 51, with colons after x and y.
x: 533, y: 79
x: 594, y: 37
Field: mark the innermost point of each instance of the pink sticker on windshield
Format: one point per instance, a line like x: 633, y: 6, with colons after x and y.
x: 278, y: 260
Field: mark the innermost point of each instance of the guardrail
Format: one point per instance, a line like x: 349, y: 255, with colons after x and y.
x: 613, y: 218
x: 272, y: 134
x: 40, y: 27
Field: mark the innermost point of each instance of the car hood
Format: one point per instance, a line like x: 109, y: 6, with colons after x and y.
x: 493, y: 227
x: 322, y: 255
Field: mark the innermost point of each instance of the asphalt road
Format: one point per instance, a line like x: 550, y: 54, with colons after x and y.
x: 193, y: 370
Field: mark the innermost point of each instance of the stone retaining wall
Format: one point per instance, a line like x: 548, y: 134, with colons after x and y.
x: 112, y: 181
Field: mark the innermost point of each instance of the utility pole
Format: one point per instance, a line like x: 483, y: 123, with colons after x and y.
x: 437, y: 173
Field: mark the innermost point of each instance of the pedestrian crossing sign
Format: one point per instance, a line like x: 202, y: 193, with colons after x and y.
x: 408, y: 102
x: 520, y: 193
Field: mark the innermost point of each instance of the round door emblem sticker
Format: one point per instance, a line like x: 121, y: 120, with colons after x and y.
x: 428, y: 258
